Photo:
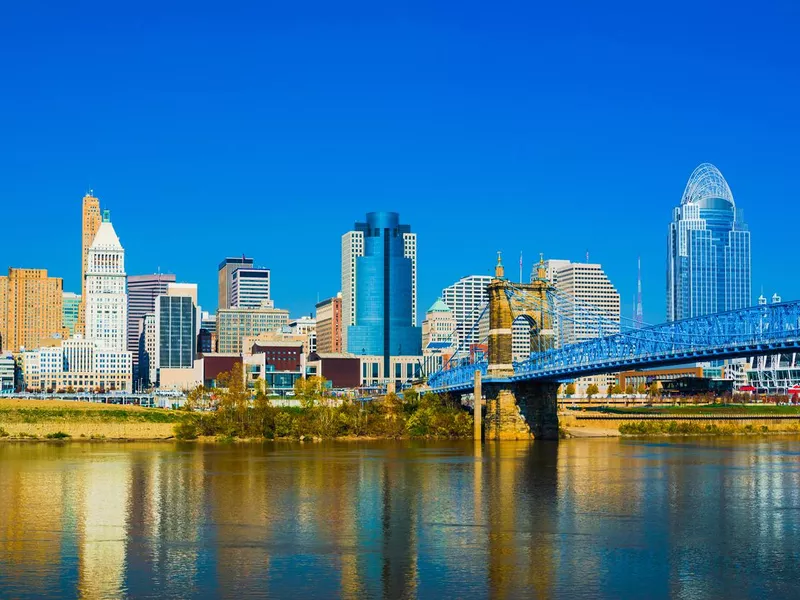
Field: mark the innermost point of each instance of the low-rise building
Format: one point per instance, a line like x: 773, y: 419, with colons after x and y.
x: 77, y: 364
x: 233, y: 324
x: 7, y: 369
x: 341, y: 369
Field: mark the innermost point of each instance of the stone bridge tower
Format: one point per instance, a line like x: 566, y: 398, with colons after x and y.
x: 515, y: 410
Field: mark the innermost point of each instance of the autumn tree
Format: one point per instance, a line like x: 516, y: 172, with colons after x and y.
x: 570, y: 391
x: 592, y: 391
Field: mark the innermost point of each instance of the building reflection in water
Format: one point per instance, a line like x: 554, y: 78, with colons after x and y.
x: 586, y: 518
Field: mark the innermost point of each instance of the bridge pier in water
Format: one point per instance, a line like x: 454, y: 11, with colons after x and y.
x: 521, y: 410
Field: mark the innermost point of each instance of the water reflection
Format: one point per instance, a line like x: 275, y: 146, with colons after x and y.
x: 583, y: 518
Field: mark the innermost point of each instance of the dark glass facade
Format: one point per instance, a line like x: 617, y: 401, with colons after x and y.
x: 384, y: 291
x: 177, y: 332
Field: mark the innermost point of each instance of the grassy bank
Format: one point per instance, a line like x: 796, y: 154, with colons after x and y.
x: 700, y: 428
x: 702, y: 409
x: 53, y: 419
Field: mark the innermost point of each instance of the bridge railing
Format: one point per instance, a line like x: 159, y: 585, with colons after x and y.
x: 751, y: 329
x: 748, y: 331
x: 458, y: 376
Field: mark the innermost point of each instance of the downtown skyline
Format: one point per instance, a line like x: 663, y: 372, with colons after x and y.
x: 484, y: 133
x: 429, y: 284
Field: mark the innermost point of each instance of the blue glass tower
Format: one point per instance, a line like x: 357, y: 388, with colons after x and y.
x: 384, y: 291
x: 708, y: 256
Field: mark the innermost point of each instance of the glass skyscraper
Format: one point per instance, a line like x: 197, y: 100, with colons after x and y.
x: 708, y: 258
x: 384, y: 286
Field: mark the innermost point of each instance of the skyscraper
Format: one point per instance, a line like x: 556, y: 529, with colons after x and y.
x: 379, y: 286
x: 708, y: 254
x: 592, y: 303
x: 106, y: 298
x: 329, y: 324
x: 225, y: 278
x: 352, y: 248
x: 142, y: 293
x: 90, y: 223
x: 177, y: 326
x: 249, y: 288
x: 30, y: 308
x: 467, y: 298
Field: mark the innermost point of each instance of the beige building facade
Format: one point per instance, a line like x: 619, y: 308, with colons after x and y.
x: 90, y: 223
x: 30, y: 308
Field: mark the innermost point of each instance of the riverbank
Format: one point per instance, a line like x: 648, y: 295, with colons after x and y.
x: 685, y: 420
x: 60, y: 419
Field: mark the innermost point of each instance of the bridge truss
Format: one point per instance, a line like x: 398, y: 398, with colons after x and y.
x: 753, y: 331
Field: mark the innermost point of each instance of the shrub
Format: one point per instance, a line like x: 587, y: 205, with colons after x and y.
x: 3, y: 432
x: 58, y: 435
x: 283, y: 424
x: 185, y: 430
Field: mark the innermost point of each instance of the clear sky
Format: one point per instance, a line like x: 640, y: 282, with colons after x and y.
x: 268, y: 128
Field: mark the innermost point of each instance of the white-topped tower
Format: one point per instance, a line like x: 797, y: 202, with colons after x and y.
x: 106, y: 291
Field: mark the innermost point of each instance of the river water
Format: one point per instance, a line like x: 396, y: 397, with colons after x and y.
x: 602, y: 518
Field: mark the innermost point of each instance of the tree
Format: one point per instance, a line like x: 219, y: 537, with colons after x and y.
x: 234, y: 400
x: 629, y: 389
x: 592, y: 391
x: 642, y: 389
x: 197, y: 399
x: 311, y: 390
x: 570, y: 391
x: 615, y: 389
x: 653, y: 390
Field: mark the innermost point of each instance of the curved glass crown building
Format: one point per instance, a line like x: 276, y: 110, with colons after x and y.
x: 708, y: 258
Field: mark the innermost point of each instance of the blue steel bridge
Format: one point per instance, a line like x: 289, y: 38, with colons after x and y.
x: 757, y: 330
x: 768, y: 329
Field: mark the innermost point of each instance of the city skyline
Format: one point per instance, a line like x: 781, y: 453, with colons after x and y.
x: 294, y: 139
x: 208, y: 287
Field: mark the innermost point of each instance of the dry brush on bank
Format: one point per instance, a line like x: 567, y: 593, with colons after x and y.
x: 231, y: 413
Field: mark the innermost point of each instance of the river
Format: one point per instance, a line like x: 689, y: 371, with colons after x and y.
x: 590, y: 518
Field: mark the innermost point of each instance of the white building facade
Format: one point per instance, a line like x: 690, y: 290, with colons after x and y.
x: 250, y: 287
x: 106, y: 295
x: 467, y: 298
x: 79, y: 365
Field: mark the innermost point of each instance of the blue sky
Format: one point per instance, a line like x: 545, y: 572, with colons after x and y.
x: 214, y: 129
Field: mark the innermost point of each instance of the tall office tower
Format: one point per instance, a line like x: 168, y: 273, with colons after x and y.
x: 249, y: 288
x: 329, y: 324
x: 106, y: 298
x: 30, y: 308
x: 352, y: 248
x: 142, y: 293
x: 90, y: 223
x: 384, y: 290
x: 71, y: 303
x: 593, y: 299
x: 177, y: 326
x: 467, y: 297
x: 225, y: 278
x: 708, y: 254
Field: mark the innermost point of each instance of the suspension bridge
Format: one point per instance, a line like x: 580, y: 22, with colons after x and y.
x: 532, y: 384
